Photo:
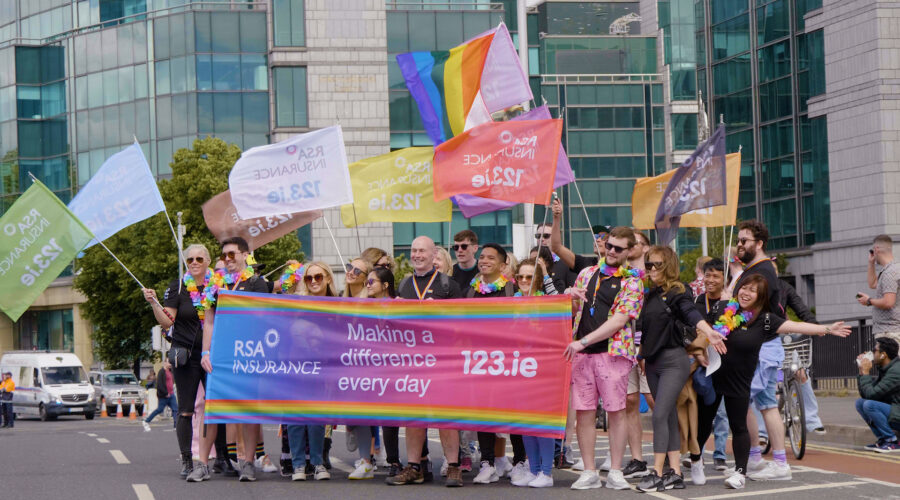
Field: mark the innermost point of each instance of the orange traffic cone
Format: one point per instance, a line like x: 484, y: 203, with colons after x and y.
x: 132, y: 413
x: 119, y: 411
x: 103, y: 412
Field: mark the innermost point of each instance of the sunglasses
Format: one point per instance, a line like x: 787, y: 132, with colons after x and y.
x: 600, y: 236
x: 745, y: 240
x: 314, y: 277
x: 371, y: 281
x: 610, y: 247
x: 351, y: 269
x: 651, y: 265
x: 198, y: 260
x: 523, y: 277
x: 229, y: 255
x: 460, y: 246
x: 538, y: 236
x: 384, y: 266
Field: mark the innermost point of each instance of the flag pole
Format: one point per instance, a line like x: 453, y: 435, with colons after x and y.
x: 333, y: 240
x: 356, y: 226
x: 588, y: 219
x: 169, y: 220
x: 540, y: 245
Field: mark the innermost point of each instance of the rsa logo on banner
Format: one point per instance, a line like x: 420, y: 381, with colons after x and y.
x: 305, y: 172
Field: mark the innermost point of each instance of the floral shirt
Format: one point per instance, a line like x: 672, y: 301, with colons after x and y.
x: 697, y: 287
x: 628, y: 301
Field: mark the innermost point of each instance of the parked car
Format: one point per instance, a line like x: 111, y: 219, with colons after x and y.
x: 118, y: 387
x: 49, y: 384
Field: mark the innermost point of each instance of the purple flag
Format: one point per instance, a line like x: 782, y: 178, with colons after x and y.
x: 473, y: 205
x: 700, y: 182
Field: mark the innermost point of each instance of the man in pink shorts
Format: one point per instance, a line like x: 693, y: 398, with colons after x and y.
x: 606, y: 298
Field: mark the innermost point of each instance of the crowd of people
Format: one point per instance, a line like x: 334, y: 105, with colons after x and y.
x: 637, y: 331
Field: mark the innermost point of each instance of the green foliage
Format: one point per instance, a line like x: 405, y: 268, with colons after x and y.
x: 403, y: 269
x: 715, y: 240
x: 115, y: 305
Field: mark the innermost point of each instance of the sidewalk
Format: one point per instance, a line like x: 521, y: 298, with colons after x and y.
x: 843, y: 424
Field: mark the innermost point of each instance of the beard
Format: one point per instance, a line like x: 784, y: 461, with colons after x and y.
x: 748, y: 256
x: 615, y: 260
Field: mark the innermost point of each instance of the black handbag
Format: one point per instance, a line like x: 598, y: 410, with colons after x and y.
x: 178, y: 356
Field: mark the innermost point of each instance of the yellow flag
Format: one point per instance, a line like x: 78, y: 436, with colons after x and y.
x: 648, y: 192
x: 395, y: 187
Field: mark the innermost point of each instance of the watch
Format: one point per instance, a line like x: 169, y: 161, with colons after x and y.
x: 869, y: 301
x: 583, y: 341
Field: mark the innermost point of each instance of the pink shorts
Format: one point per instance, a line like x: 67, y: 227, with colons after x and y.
x: 603, y: 376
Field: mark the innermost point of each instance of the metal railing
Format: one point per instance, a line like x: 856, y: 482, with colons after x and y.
x: 454, y: 6
x: 600, y: 78
x: 836, y: 357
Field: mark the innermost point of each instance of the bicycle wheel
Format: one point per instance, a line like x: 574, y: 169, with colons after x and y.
x: 796, y: 426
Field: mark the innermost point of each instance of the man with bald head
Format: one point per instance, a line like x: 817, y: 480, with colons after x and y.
x: 427, y: 283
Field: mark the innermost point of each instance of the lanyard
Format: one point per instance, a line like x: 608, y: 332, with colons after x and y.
x: 596, y: 289
x: 419, y: 294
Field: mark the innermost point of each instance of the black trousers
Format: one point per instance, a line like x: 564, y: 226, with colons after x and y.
x: 736, y: 409
x: 392, y: 445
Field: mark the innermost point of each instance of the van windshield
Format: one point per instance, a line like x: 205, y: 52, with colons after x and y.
x: 64, y: 375
x: 121, y: 379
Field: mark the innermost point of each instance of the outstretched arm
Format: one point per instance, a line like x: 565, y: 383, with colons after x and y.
x: 556, y: 245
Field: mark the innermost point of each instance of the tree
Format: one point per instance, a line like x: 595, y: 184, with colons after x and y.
x: 115, y: 304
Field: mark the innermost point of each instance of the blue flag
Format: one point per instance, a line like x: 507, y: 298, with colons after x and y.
x: 700, y: 182
x: 120, y: 194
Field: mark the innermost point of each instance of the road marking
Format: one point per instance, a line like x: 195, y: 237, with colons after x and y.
x: 876, y: 481
x: 781, y: 490
x: 855, y: 453
x: 119, y: 456
x: 657, y: 494
x: 143, y: 492
x: 91, y: 434
x: 102, y: 440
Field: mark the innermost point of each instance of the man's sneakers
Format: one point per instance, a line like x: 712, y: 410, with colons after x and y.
x: 673, y: 481
x: 364, y: 470
x: 588, y: 479
x: 651, y: 482
x: 454, y: 477
x: 321, y: 473
x: 287, y: 467
x: 519, y: 469
x: 146, y: 426
x: 615, y: 480
x: 541, y: 481
x: 300, y: 475
x: 486, y: 474
x: 774, y: 471
x: 199, y: 474
x: 408, y: 475
x: 635, y: 468
x: 503, y: 466
x: 698, y: 475
x: 247, y: 472
x: 820, y: 430
x: 522, y: 478
x: 887, y: 447
x: 719, y: 464
x: 265, y: 464
x: 756, y: 465
x: 736, y: 481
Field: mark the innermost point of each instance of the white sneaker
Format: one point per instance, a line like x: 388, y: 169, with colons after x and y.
x: 607, y: 464
x: 146, y: 426
x: 579, y: 465
x: 363, y: 471
x: 698, y: 475
x: 486, y: 474
x: 756, y: 465
x: 300, y: 475
x: 523, y: 478
x: 503, y: 466
x: 588, y: 479
x: 541, y: 481
x: 735, y: 481
x: 773, y: 472
x: 322, y: 473
x: 351, y: 440
x: 729, y: 472
x: 520, y: 468
x: 381, y: 458
x: 615, y: 480
x: 264, y: 463
x: 444, y: 467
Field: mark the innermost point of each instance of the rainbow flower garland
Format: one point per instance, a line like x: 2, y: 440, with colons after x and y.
x: 537, y: 293
x: 486, y: 288
x: 290, y: 277
x: 196, y: 294
x: 621, y: 271
x: 730, y: 320
x: 221, y: 279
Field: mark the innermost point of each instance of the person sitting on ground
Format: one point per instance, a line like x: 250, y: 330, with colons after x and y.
x: 879, y: 402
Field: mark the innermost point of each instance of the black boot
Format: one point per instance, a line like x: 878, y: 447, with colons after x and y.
x: 187, y: 464
x: 325, y: 460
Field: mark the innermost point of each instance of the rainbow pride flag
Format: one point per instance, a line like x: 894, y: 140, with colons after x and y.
x: 453, y: 364
x: 459, y: 88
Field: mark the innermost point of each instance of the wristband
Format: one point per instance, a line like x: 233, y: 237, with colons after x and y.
x: 204, y: 353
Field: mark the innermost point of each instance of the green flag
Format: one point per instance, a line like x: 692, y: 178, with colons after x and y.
x: 40, y: 236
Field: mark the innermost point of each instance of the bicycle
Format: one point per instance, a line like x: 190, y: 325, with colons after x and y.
x: 797, y: 356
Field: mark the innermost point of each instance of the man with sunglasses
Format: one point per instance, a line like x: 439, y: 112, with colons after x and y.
x: 242, y: 277
x: 562, y: 276
x: 608, y: 297
x: 465, y: 246
x: 576, y: 263
x: 885, y: 308
x: 427, y: 283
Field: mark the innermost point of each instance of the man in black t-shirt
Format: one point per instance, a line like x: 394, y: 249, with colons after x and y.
x: 465, y: 246
x: 562, y: 276
x: 427, y: 283
x: 234, y: 254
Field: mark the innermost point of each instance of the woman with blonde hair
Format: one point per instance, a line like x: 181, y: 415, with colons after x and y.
x: 668, y: 307
x: 355, y: 279
x: 442, y: 261
x: 377, y: 257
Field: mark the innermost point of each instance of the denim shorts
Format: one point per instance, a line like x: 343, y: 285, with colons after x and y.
x: 765, y: 399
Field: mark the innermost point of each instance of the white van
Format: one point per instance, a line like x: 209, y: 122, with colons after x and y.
x: 49, y: 384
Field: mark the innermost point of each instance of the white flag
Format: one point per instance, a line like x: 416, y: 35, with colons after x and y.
x: 306, y: 172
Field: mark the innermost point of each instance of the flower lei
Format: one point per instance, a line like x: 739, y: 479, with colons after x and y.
x: 291, y: 276
x: 730, y: 320
x: 220, y: 279
x: 537, y: 293
x: 621, y: 271
x: 196, y: 294
x: 486, y: 288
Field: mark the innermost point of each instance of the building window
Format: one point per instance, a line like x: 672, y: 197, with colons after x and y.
x: 290, y: 97
x: 289, y: 19
x: 43, y: 330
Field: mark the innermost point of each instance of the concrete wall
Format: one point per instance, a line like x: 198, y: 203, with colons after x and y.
x: 862, y: 100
